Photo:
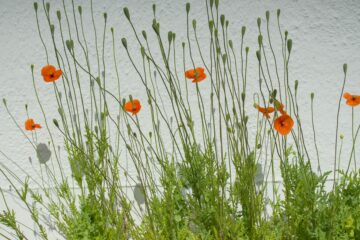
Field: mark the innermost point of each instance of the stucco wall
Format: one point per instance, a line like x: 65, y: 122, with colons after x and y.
x: 325, y: 35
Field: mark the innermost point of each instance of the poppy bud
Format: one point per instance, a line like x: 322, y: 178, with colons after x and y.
x: 243, y: 29
x: 289, y: 45
x: 345, y: 68
x: 217, y: 4
x: 169, y: 36
x: 156, y: 27
x: 69, y: 44
x: 150, y: 134
x: 259, y: 22
x: 274, y: 93
x: 230, y: 44
x: 47, y: 5
x: 35, y: 6
x: 4, y: 101
x: 194, y: 23
x: 296, y: 84
x: 227, y: 117
x: 312, y: 96
x: 183, y: 44
x: 341, y: 136
x: 222, y: 20
x: 258, y: 55
x: 32, y: 67
x: 211, y: 3
x: 211, y: 25
x: 123, y: 101
x: 187, y: 8
x: 258, y: 146
x: 126, y: 12
x: 105, y: 16
x: 26, y: 107
x: 243, y: 95
x: 224, y: 57
x: 173, y: 36
x: 286, y: 34
x: 112, y: 30
x: 226, y: 23
x: 260, y: 38
x: 144, y: 34
x: 142, y: 50
x: 267, y: 14
x: 278, y: 13
x: 80, y: 10
x: 58, y: 14
x: 216, y: 32
x: 52, y: 29
x: 130, y: 97
x: 56, y: 123
x: 124, y: 42
x: 218, y: 50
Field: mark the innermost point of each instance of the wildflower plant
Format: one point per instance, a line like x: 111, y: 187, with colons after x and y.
x: 207, y: 179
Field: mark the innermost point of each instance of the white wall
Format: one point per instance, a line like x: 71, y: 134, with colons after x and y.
x: 325, y: 35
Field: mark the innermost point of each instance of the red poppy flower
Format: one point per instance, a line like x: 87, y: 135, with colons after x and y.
x: 197, y: 74
x: 50, y: 73
x: 351, y: 100
x: 30, y: 124
x: 283, y: 124
x: 133, y: 106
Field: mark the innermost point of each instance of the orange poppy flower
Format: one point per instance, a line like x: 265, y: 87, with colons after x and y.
x: 50, y: 73
x: 351, y: 100
x: 283, y: 124
x: 197, y: 74
x: 265, y: 111
x: 30, y: 125
x: 132, y: 106
x: 279, y: 107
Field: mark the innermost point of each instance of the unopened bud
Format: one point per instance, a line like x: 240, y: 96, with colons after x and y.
x: 35, y: 6
x: 56, y: 123
x: 345, y: 68
x: 187, y: 8
x: 243, y: 30
x: 289, y: 45
x: 126, y: 12
x: 124, y: 42
x: 58, y: 14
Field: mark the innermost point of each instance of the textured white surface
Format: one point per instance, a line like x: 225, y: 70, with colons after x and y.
x: 325, y: 35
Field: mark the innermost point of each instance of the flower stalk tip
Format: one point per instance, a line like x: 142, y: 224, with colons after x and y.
x: 243, y: 30
x: 289, y: 45
x: 267, y: 14
x: 127, y: 13
x: 58, y: 14
x: 222, y: 20
x: 187, y: 7
x: 124, y: 42
x: 259, y: 22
